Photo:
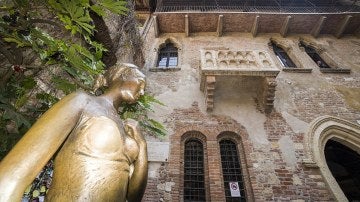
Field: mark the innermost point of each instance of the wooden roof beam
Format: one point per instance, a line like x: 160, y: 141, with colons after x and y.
x: 285, y: 27
x: 315, y: 32
x: 187, y: 28
x: 156, y: 27
x: 254, y: 29
x: 343, y: 26
x: 220, y: 25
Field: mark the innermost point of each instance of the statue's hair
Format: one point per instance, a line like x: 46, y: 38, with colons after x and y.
x: 122, y: 72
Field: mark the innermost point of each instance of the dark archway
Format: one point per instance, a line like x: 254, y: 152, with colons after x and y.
x: 344, y: 164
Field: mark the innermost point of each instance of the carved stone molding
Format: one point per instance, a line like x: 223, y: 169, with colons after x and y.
x: 226, y: 62
x: 321, y: 130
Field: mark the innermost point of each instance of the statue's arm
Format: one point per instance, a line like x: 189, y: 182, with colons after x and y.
x: 138, y: 180
x: 20, y: 167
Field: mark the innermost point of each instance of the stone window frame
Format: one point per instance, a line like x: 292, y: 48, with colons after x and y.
x: 335, y: 66
x: 194, y: 134
x: 321, y: 130
x: 236, y: 138
x: 161, y: 45
x: 290, y: 52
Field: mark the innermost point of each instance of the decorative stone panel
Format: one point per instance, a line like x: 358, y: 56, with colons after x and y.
x: 239, y: 63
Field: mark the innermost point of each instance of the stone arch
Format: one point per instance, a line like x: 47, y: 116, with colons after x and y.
x: 318, y: 48
x: 172, y: 40
x: 321, y: 130
x: 287, y: 48
x: 279, y: 43
x: 194, y: 134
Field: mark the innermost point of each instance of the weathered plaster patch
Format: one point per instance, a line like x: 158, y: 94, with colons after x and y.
x: 287, y: 150
x: 297, y: 125
x: 234, y: 100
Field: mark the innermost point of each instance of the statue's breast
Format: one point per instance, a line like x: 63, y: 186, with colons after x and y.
x: 99, y: 137
x: 94, y: 163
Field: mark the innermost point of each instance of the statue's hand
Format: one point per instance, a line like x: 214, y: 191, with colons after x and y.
x: 132, y: 129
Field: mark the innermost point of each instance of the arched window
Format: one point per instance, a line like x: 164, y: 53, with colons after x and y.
x: 314, y: 55
x: 282, y: 56
x: 194, y: 177
x: 168, y: 56
x: 231, y: 169
x: 344, y: 164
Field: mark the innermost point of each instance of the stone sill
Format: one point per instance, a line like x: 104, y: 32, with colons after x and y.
x: 297, y: 70
x: 166, y: 69
x: 338, y: 71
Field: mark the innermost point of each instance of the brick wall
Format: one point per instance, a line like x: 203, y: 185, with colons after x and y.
x: 274, y: 172
x: 243, y: 22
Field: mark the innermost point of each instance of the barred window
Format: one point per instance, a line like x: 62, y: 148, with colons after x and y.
x: 282, y: 56
x: 194, y: 178
x: 168, y: 56
x: 231, y: 169
x: 314, y: 56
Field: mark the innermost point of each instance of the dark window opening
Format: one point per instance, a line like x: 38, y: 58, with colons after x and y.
x: 168, y: 56
x: 282, y: 56
x: 344, y: 164
x: 314, y: 56
x: 231, y: 169
x: 194, y: 178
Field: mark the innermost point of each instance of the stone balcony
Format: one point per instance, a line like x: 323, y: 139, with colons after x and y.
x: 239, y: 63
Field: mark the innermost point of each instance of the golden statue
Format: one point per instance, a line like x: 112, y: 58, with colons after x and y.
x: 99, y: 158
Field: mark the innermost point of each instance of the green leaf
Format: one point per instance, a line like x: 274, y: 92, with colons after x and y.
x: 118, y: 7
x: 64, y: 85
x: 47, y: 98
x: 12, y: 114
x: 28, y: 83
x: 14, y: 40
x: 98, y: 10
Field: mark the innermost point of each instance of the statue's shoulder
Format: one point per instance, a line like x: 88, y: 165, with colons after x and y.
x: 78, y: 96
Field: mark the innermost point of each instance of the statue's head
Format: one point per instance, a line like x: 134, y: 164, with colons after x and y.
x: 125, y: 79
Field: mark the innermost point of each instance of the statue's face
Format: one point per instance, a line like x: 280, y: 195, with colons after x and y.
x: 132, y: 89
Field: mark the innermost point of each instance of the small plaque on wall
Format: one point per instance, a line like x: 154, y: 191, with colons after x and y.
x: 158, y: 151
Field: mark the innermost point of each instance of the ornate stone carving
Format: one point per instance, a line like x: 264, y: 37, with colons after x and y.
x: 239, y: 63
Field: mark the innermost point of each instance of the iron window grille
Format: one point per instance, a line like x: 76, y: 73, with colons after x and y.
x: 314, y: 56
x: 283, y: 57
x: 168, y: 56
x: 231, y: 169
x: 194, y: 178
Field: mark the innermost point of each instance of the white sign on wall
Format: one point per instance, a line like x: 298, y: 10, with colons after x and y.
x: 234, y: 189
x: 158, y: 151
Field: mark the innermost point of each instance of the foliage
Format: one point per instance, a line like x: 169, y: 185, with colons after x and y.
x: 37, y: 38
x: 138, y: 111
x: 47, y: 50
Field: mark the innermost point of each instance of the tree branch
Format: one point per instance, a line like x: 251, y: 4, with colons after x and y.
x: 7, y: 53
x: 44, y: 21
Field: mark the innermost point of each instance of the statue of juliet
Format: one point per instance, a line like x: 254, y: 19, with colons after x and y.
x: 99, y: 157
